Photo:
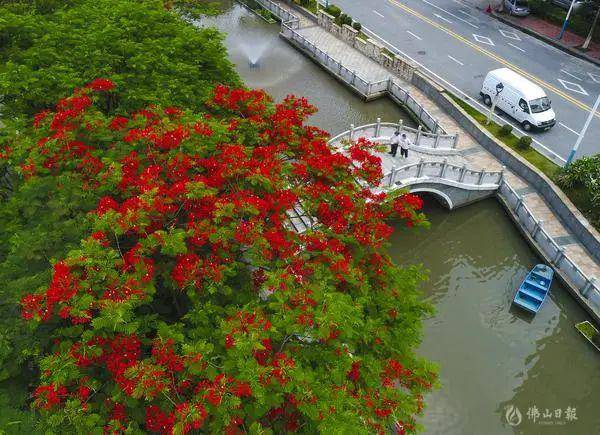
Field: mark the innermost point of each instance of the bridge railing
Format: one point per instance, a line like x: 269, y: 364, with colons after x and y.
x: 588, y: 287
x: 417, y: 136
x: 435, y: 170
x: 396, y: 92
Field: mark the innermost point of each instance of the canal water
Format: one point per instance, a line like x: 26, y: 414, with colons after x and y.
x: 494, y: 361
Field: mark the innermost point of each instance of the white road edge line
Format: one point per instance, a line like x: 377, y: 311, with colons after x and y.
x: 572, y: 75
x: 569, y: 128
x: 375, y: 12
x: 517, y: 47
x: 467, y: 14
x: 461, y: 92
x: 456, y: 60
x: 450, y: 13
x: 416, y: 36
x: 442, y: 18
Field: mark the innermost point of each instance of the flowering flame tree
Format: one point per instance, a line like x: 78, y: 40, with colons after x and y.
x: 193, y: 304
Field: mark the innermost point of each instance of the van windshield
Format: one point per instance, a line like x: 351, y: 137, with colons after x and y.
x: 522, y: 3
x: 540, y: 104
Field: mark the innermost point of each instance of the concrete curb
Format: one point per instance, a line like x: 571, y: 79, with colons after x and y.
x: 547, y: 40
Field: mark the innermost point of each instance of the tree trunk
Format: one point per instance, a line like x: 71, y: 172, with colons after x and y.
x: 591, y: 32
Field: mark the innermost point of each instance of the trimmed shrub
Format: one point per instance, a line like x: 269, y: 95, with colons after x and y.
x: 506, y: 129
x: 524, y: 142
x: 333, y: 10
x: 357, y: 26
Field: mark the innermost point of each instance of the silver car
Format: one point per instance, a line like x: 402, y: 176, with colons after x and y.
x: 520, y: 8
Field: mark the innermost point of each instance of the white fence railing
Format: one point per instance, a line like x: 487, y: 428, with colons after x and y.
x: 417, y: 136
x: 469, y: 178
x: 588, y: 287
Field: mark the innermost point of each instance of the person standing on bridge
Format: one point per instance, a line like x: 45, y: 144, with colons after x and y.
x: 394, y: 142
x: 404, y: 145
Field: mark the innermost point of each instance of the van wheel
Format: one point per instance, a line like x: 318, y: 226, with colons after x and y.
x: 526, y: 126
x: 487, y: 100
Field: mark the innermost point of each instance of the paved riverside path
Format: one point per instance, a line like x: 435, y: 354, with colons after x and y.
x: 473, y: 155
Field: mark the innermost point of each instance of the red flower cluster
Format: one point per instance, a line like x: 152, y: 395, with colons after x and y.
x: 195, y: 296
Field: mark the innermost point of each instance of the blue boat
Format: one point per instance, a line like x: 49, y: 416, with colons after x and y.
x: 534, y: 288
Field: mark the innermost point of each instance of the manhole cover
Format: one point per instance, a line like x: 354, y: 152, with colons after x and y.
x: 421, y: 52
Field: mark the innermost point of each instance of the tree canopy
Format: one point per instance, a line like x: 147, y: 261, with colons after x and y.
x: 50, y: 48
x: 192, y: 303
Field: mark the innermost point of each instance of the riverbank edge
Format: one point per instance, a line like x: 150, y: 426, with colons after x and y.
x: 551, y: 193
x: 572, y: 288
x: 559, y: 204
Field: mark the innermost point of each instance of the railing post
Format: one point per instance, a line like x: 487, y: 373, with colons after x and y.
x: 502, y: 175
x: 378, y: 127
x: 455, y: 144
x: 437, y: 140
x: 559, y: 256
x: 369, y: 87
x: 353, y: 77
x: 392, y: 176
x: 481, y: 174
x: 519, y: 204
x: 588, y: 286
x: 400, y: 124
x: 463, y: 172
x: 351, y: 132
x: 418, y: 138
x: 444, y: 166
x: 420, y: 169
x: 538, y: 226
x: 436, y: 126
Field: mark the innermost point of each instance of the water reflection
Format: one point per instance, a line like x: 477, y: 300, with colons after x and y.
x: 491, y: 355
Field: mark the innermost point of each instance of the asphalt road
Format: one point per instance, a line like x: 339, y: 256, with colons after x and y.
x: 459, y: 44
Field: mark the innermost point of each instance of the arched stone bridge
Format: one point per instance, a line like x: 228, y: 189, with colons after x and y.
x: 433, y: 165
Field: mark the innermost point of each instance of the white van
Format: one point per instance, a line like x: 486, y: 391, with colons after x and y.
x: 520, y: 98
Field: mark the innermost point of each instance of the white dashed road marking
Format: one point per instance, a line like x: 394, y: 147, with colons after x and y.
x: 456, y: 60
x: 483, y: 39
x: 414, y: 36
x: 467, y: 14
x: 517, y: 47
x: 510, y: 34
x: 568, y: 128
x: 594, y: 77
x: 573, y: 87
x: 377, y: 13
x: 571, y: 75
x: 442, y: 18
x: 449, y: 13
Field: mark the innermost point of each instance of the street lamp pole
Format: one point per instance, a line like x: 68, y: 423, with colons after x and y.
x: 564, y: 26
x: 583, y: 131
x: 499, y: 89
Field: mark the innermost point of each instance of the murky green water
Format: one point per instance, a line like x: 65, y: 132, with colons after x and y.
x: 492, y: 357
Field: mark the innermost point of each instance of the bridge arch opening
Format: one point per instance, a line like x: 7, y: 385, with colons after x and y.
x: 440, y: 197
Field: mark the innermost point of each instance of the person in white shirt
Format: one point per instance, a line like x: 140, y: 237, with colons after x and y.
x: 404, y: 145
x: 394, y: 142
